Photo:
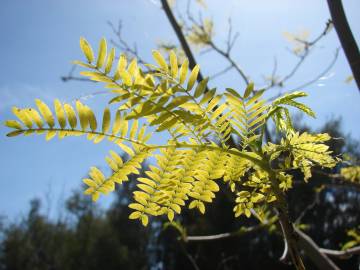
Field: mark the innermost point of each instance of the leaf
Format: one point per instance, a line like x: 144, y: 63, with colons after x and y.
x: 167, y: 124
x: 23, y: 117
x: 46, y: 112
x: 193, y: 76
x: 109, y: 61
x: 106, y: 120
x: 126, y: 78
x: 50, y: 134
x: 13, y: 124
x: 83, y: 115
x: 135, y: 215
x: 15, y: 133
x: 183, y: 71
x: 201, y: 87
x: 71, y: 115
x: 160, y: 60
x: 126, y: 149
x: 173, y: 64
x: 35, y: 116
x: 233, y: 92
x: 255, y: 97
x: 249, y: 89
x: 117, y: 123
x: 122, y: 63
x: 101, y: 53
x: 82, y: 64
x: 133, y: 129
x: 86, y: 49
x: 144, y: 220
x: 59, y: 112
x: 91, y: 118
x: 133, y: 68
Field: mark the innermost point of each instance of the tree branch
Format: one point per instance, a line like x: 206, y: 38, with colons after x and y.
x: 314, y: 252
x: 308, y: 46
x: 346, y: 37
x: 177, y: 29
x: 341, y: 254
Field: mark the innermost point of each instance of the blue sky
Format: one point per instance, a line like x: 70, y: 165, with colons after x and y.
x: 40, y: 39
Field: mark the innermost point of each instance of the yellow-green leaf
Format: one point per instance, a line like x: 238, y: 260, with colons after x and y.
x: 23, y: 116
x: 201, y: 87
x: 184, y: 71
x: 122, y: 63
x: 91, y: 118
x: 117, y: 123
x: 71, y: 115
x: 144, y: 220
x: 86, y: 49
x: 135, y: 215
x: 59, y: 112
x: 101, y: 53
x: 160, y: 60
x: 45, y: 112
x: 82, y: 112
x: 13, y: 124
x: 109, y: 61
x: 173, y: 64
x: 35, y: 116
x: 133, y: 129
x: 249, y: 89
x: 193, y: 76
x: 106, y: 120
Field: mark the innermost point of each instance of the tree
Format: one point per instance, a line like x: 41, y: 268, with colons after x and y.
x: 250, y: 140
x: 199, y: 123
x: 86, y: 238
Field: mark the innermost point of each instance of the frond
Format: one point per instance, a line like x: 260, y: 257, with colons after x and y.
x: 248, y: 113
x: 169, y: 93
x: 77, y: 121
x: 181, y: 175
x: 304, y: 151
x: 99, y: 184
x: 280, y: 113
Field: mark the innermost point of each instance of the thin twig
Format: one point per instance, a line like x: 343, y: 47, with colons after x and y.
x: 314, y: 80
x: 221, y: 72
x: 341, y: 254
x: 323, y: 73
x: 230, y: 42
x: 308, y: 46
x: 122, y: 44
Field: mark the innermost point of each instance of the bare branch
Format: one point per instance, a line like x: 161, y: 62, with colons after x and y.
x: 221, y: 72
x: 314, y: 252
x: 71, y: 77
x: 341, y: 254
x: 232, y: 62
x: 314, y: 80
x: 230, y: 43
x: 308, y: 47
x: 346, y: 37
x: 180, y: 35
x: 188, y: 255
x: 323, y: 73
x: 122, y: 44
